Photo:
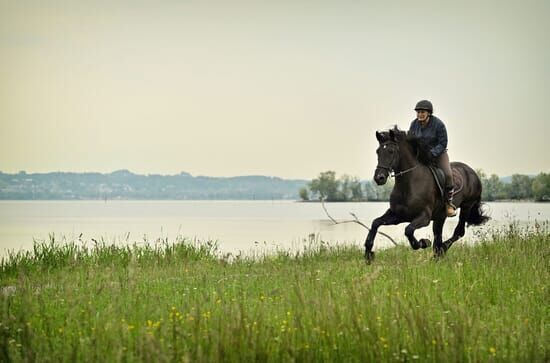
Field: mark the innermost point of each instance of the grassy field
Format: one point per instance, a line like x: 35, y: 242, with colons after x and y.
x: 182, y: 302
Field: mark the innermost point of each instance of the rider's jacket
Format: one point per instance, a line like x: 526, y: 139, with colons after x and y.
x: 434, y: 134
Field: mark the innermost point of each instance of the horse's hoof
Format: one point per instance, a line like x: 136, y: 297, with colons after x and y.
x: 425, y: 243
x: 439, y: 252
x: 369, y: 257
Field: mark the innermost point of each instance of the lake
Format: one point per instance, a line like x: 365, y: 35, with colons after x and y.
x: 250, y: 226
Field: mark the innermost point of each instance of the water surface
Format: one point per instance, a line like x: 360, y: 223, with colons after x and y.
x: 236, y: 225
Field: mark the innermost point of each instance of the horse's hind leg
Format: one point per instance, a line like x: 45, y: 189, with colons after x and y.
x: 421, y: 221
x: 460, y: 228
x: 439, y: 249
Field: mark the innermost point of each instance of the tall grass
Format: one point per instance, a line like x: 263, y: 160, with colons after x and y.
x: 182, y: 301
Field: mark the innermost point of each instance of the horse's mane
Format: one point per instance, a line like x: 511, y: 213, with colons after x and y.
x: 419, y: 147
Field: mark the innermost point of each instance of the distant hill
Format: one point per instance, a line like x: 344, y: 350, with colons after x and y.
x: 123, y: 184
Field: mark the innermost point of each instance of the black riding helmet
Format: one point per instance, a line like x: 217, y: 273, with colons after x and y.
x: 424, y: 105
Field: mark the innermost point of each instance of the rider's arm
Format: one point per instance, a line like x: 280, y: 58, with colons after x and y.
x: 411, y: 128
x: 441, y: 146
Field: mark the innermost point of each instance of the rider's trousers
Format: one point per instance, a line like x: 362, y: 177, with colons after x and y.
x: 443, y: 162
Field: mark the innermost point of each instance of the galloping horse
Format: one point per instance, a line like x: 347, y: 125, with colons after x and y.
x: 416, y: 198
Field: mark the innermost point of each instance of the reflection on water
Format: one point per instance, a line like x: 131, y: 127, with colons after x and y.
x: 236, y: 225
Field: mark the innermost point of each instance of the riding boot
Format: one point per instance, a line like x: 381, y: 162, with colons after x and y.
x: 450, y: 207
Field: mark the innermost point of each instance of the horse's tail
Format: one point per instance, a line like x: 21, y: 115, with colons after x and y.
x: 477, y: 215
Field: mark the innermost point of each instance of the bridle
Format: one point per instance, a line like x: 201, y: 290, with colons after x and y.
x: 389, y: 168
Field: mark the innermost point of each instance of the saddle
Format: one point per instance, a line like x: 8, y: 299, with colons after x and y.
x: 439, y: 177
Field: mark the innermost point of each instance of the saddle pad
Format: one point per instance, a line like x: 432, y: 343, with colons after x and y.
x: 439, y: 177
x: 458, y: 182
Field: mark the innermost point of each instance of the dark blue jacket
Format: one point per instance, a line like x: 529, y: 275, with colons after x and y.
x: 434, y: 134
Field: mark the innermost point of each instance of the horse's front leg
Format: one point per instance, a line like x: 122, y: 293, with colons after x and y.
x: 421, y: 221
x: 387, y: 218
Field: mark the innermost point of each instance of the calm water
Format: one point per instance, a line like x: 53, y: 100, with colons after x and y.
x: 236, y: 225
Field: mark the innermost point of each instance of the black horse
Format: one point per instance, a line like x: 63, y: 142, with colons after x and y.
x: 416, y: 198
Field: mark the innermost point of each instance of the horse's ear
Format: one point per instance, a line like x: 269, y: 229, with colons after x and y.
x: 379, y: 137
x: 392, y: 135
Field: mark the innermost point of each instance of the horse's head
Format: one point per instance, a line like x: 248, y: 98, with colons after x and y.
x: 388, y: 154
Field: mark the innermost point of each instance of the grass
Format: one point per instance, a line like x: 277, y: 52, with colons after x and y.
x: 183, y: 302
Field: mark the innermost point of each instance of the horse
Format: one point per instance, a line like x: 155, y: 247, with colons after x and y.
x: 416, y: 197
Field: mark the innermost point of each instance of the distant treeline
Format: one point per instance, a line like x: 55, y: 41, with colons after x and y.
x: 344, y: 189
x: 520, y: 187
x: 124, y: 184
x: 348, y: 188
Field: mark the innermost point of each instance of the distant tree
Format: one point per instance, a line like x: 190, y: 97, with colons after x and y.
x: 376, y: 192
x: 325, y: 186
x: 344, y: 193
x: 481, y: 174
x: 541, y: 187
x: 356, y: 190
x: 370, y: 191
x: 497, y: 187
x: 521, y: 188
x: 304, y: 193
x: 492, y: 188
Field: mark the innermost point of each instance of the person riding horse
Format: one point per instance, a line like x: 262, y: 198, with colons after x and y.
x: 432, y: 131
x: 408, y: 157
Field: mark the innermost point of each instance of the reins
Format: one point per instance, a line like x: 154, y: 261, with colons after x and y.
x: 403, y: 172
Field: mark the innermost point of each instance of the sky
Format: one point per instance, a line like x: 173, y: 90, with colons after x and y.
x: 278, y: 88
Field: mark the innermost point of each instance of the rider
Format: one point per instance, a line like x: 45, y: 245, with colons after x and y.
x: 432, y: 131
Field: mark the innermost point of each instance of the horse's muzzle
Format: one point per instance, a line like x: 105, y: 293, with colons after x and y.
x: 380, y: 177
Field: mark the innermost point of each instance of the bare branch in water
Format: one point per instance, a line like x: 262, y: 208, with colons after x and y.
x: 354, y: 220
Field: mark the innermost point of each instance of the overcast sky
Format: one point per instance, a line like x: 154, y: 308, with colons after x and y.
x: 281, y: 88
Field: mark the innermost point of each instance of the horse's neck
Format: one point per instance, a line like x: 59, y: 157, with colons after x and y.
x: 408, y: 164
x: 407, y: 159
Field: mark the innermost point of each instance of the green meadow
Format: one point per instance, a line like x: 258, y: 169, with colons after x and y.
x: 183, y: 301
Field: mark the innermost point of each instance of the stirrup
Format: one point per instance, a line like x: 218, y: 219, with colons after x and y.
x: 449, y: 206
